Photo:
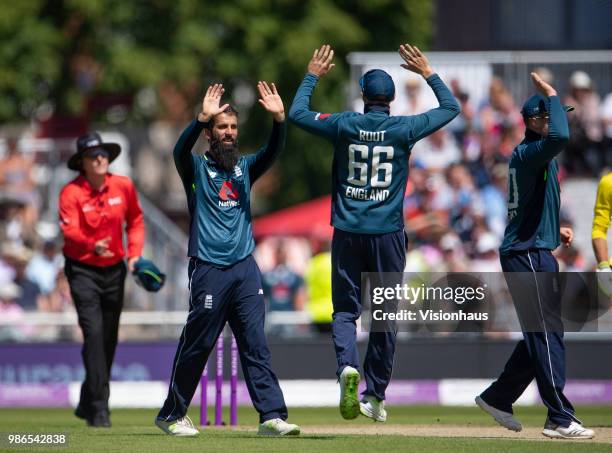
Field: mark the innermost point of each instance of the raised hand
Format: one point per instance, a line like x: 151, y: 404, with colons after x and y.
x: 210, y: 104
x: 415, y: 60
x: 271, y: 101
x: 321, y: 61
x: 543, y: 87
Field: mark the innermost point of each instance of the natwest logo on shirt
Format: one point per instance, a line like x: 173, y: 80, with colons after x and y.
x: 228, y: 195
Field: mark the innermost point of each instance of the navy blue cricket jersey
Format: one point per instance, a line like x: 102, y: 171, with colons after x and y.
x: 220, y: 231
x: 371, y: 151
x: 533, y: 187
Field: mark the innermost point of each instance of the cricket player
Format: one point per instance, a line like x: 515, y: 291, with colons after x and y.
x: 370, y: 169
x: 532, y: 233
x: 224, y: 279
x: 599, y: 234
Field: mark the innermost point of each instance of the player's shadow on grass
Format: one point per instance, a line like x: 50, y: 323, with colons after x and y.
x: 235, y: 435
x: 296, y: 438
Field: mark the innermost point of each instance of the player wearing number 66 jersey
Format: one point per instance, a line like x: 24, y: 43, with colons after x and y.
x: 370, y: 169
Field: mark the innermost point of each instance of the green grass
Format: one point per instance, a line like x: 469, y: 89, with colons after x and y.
x: 133, y: 431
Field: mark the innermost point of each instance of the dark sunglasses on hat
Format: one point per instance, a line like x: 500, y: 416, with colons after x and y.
x: 95, y: 153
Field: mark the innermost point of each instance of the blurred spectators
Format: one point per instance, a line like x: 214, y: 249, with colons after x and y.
x: 498, y: 114
x: 44, y: 266
x: 10, y: 311
x: 464, y: 122
x: 462, y: 200
x: 60, y: 299
x: 415, y: 102
x: 454, y: 206
x: 318, y: 282
x: 283, y: 288
x: 494, y: 197
x: 14, y: 225
x: 584, y: 154
x: 453, y: 258
x: 437, y: 151
x: 17, y: 183
x: 606, y: 117
x: 7, y: 272
x: 17, y: 256
x: 486, y: 258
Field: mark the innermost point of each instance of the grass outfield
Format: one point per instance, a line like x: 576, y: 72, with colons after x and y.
x: 322, y: 430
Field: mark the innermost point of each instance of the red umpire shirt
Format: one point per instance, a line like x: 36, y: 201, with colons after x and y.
x: 88, y: 215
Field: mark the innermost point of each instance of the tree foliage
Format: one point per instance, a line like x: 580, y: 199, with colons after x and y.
x: 60, y: 52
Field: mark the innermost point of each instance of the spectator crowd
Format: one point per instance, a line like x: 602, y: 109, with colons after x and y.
x: 454, y: 206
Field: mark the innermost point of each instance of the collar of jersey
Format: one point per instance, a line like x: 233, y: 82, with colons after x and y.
x: 531, y: 136
x: 367, y: 108
x: 209, y: 159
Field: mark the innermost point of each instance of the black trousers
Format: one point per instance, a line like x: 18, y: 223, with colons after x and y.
x: 97, y: 293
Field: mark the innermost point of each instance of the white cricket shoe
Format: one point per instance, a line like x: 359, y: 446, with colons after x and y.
x: 372, y: 408
x: 179, y: 427
x: 506, y: 419
x: 278, y: 427
x: 349, y: 388
x: 573, y: 431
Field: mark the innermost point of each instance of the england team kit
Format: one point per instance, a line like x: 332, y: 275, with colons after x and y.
x: 531, y: 271
x: 369, y: 176
x: 224, y: 279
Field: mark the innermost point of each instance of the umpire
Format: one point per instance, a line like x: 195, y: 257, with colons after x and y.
x: 531, y: 271
x: 93, y: 209
x: 224, y: 279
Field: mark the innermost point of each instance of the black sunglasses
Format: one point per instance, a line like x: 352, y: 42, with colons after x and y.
x: 94, y: 153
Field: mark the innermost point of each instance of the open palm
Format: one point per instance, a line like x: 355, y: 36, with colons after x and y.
x: 271, y: 100
x: 321, y: 61
x: 210, y: 104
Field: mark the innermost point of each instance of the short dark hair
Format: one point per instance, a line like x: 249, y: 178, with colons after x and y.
x: 229, y: 110
x: 377, y: 100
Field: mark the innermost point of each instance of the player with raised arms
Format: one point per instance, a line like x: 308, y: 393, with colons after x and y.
x: 369, y: 175
x: 533, y: 231
x: 224, y: 279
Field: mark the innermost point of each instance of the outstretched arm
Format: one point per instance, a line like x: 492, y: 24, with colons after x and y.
x: 265, y: 157
x: 543, y: 151
x: 183, y: 159
x: 300, y: 113
x: 432, y: 120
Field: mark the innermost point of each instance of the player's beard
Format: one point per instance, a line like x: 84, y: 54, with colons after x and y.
x: 224, y: 154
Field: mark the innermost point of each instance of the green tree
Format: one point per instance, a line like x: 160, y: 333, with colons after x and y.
x: 60, y: 52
